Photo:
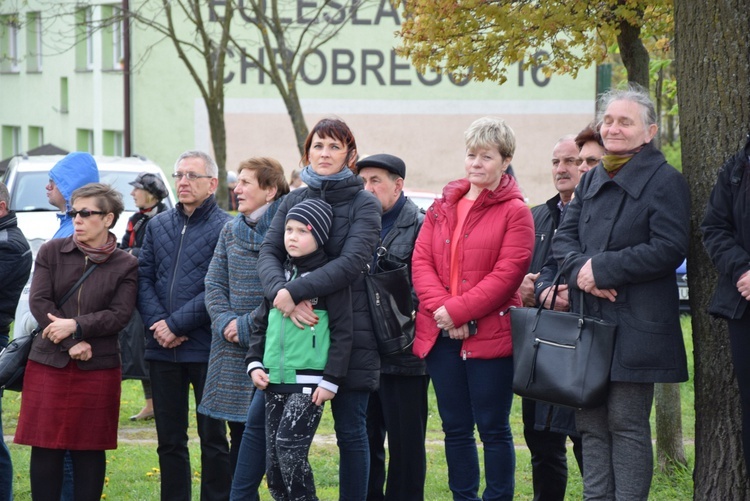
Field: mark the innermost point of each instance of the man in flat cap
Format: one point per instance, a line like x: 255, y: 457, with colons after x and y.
x: 399, y: 407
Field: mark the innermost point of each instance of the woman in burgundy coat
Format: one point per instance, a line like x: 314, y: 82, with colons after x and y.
x: 71, y: 396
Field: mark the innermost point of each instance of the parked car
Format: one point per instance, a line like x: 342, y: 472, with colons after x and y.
x: 423, y: 199
x: 26, y: 178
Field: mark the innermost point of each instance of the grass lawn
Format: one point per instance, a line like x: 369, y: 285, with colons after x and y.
x: 133, y: 469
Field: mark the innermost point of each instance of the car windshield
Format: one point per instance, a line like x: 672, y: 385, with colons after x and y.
x: 30, y: 195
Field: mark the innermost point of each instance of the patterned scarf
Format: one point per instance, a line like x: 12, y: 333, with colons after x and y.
x: 98, y: 254
x: 314, y: 180
x: 133, y: 228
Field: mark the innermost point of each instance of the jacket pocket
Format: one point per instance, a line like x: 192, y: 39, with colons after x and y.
x: 643, y: 344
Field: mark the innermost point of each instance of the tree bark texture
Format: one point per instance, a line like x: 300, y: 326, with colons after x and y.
x: 669, y: 450
x: 712, y: 44
x: 633, y: 53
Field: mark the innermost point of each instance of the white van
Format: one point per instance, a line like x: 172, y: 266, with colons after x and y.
x: 26, y: 178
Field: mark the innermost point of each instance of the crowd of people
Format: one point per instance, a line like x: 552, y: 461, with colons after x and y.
x: 265, y: 315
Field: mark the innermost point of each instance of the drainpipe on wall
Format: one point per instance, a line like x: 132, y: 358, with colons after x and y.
x: 127, y: 146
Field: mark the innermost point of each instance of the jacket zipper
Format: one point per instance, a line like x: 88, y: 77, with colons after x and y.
x: 177, y: 262
x: 281, y: 341
x: 556, y: 345
x: 80, y: 287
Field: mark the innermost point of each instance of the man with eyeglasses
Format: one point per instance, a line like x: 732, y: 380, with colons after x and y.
x: 173, y: 262
x: 547, y: 427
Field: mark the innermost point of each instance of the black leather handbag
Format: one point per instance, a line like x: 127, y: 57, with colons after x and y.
x: 13, y: 361
x: 13, y: 358
x: 562, y: 358
x: 391, y: 305
x: 132, y: 349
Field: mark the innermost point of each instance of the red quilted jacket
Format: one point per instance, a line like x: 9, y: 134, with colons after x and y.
x: 495, y: 253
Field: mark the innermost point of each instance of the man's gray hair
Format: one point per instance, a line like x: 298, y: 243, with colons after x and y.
x: 635, y: 93
x: 4, y: 194
x: 566, y: 137
x: 211, y: 168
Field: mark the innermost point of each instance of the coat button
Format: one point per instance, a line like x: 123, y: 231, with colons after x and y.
x: 583, y: 247
x: 447, y: 241
x: 587, y: 218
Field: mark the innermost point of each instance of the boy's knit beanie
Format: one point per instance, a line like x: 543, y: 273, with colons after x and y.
x: 317, y: 215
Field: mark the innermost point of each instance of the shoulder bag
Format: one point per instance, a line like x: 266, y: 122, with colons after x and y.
x: 563, y: 358
x: 391, y: 304
x: 13, y: 358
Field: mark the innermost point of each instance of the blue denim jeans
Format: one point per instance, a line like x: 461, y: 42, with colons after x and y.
x: 6, y: 466
x: 251, y: 459
x: 349, y: 409
x: 474, y: 392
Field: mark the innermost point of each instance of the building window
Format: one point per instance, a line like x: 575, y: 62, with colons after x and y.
x: 112, y: 143
x: 84, y: 39
x: 34, y: 42
x: 36, y: 137
x: 9, y: 44
x: 11, y: 141
x: 85, y: 140
x: 112, y: 38
x: 64, y: 95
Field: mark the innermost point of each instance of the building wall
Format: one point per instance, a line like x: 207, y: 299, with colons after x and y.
x: 355, y: 76
x: 31, y: 98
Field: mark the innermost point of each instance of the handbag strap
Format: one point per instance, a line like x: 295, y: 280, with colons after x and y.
x: 76, y: 285
x: 556, y: 284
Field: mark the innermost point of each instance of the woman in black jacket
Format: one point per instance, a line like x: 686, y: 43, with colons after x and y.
x: 148, y: 193
x: 726, y: 236
x: 330, y: 153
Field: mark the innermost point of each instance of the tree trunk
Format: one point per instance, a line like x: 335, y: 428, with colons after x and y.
x: 294, y: 108
x: 633, y: 53
x: 219, y: 140
x: 713, y: 77
x: 670, y: 452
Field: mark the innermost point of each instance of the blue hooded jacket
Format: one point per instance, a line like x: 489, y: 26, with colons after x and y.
x: 73, y: 171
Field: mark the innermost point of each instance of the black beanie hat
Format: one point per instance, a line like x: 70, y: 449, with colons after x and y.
x: 317, y: 215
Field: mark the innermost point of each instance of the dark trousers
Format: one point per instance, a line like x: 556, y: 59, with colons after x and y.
x: 170, y: 384
x: 399, y: 410
x: 549, y: 461
x: 739, y: 336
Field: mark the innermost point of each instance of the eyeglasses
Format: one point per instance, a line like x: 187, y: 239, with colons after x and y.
x: 84, y: 213
x: 590, y: 161
x: 191, y: 176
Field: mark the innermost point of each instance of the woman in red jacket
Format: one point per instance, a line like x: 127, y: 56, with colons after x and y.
x: 469, y: 260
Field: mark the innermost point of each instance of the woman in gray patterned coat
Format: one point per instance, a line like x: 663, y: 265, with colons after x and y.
x: 233, y: 292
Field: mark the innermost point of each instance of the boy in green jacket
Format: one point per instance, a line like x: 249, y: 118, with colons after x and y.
x: 299, y: 369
